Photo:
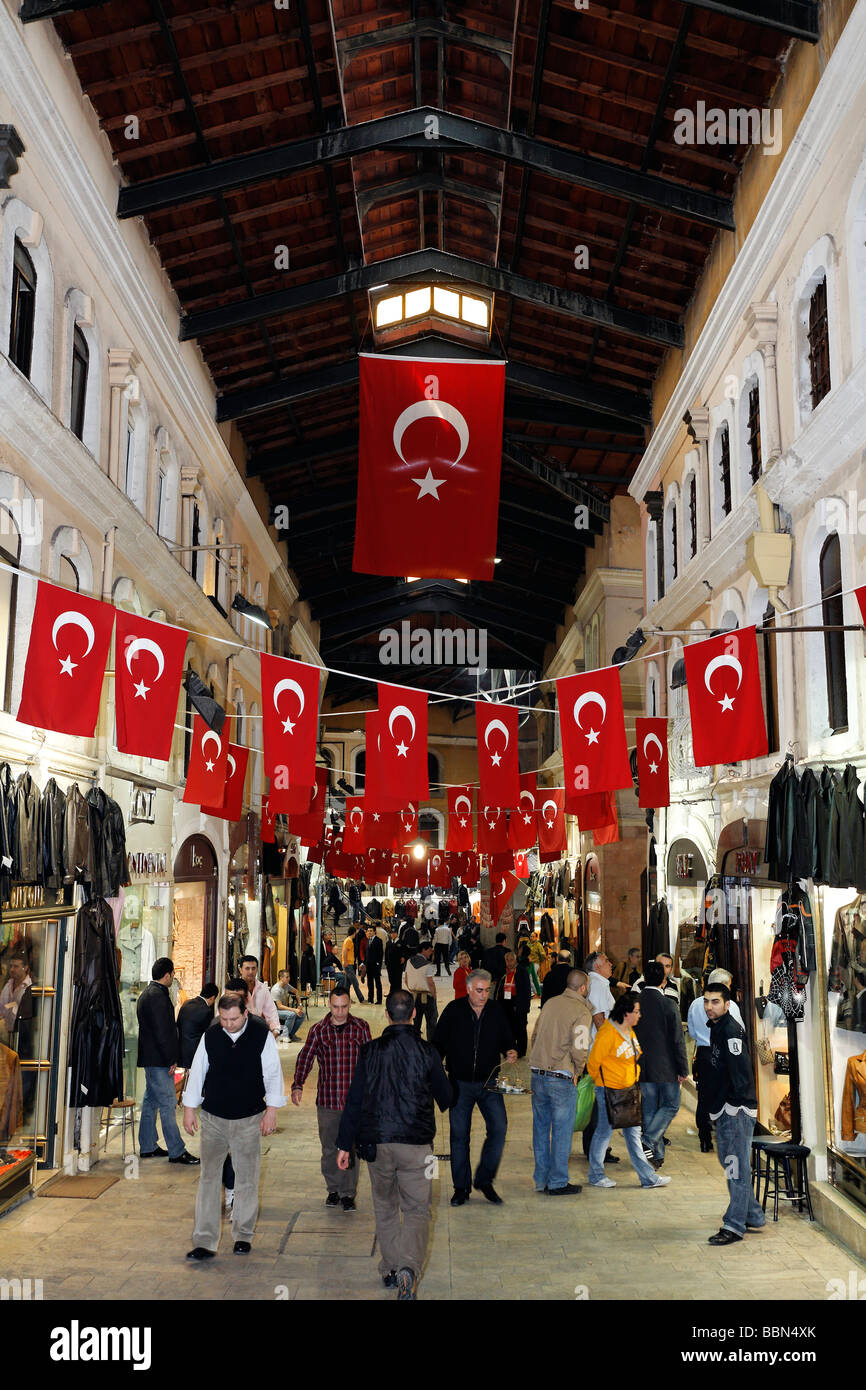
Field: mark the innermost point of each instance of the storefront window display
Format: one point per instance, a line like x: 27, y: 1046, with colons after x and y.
x: 592, y: 903
x: 194, y: 916
x: 844, y: 917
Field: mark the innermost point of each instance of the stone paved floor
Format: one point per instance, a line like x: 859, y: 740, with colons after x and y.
x: 622, y: 1243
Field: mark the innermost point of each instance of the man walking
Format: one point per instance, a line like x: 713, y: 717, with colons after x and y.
x: 554, y: 981
x: 237, y: 1080
x: 349, y: 969
x: 494, y: 959
x: 472, y: 1036
x: 421, y: 982
x: 443, y: 939
x: 158, y: 1051
x: 375, y: 956
x: 663, y: 1064
x: 394, y: 957
x: 389, y: 1115
x: 334, y: 1042
x: 194, y: 1017
x: 729, y: 1092
x: 259, y: 1001
x: 699, y: 1029
x: 559, y: 1050
x: 513, y: 993
x: 598, y: 967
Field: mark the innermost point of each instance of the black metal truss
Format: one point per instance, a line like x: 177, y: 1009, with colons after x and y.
x: 471, y: 610
x: 434, y: 28
x: 431, y: 182
x: 797, y: 18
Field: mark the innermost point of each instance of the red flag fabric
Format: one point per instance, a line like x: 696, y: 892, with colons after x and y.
x: 493, y: 830
x: 354, y: 839
x: 861, y: 599
x: 652, y: 762
x: 595, y: 812
x: 402, y: 728
x: 521, y: 864
x: 208, y: 764
x: 377, y: 862
x: 429, y: 461
x: 408, y: 822
x: 69, y: 640
x: 551, y: 820
x: 232, y: 804
x: 724, y: 688
x: 501, y: 888
x: 607, y: 834
x: 466, y: 868
x: 521, y: 823
x: 290, y: 721
x: 437, y: 871
x: 500, y: 863
x: 496, y: 731
x: 307, y: 825
x: 461, y: 835
x: 382, y: 830
x: 145, y: 695
x: 594, y: 747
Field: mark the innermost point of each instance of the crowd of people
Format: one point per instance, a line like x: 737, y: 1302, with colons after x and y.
x: 611, y: 1037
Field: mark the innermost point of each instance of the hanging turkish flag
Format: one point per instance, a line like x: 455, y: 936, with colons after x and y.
x: 148, y: 669
x: 496, y: 731
x: 521, y: 823
x: 652, y: 762
x: 465, y: 867
x: 307, y: 825
x: 377, y: 862
x: 551, y: 820
x: 437, y: 871
x: 461, y: 835
x: 502, y: 887
x: 232, y: 804
x: 594, y: 812
x: 208, y: 764
x: 429, y: 460
x: 724, y: 689
x: 860, y: 595
x: 69, y: 640
x: 290, y: 719
x: 402, y: 728
x: 493, y: 831
x: 591, y: 721
x: 500, y: 863
x: 521, y: 865
x: 354, y: 839
x: 382, y: 830
x: 408, y: 822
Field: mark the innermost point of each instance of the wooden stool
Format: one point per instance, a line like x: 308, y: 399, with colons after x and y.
x: 127, y: 1119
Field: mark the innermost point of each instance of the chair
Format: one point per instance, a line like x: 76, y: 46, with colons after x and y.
x: 759, y: 1146
x: 785, y: 1176
x: 127, y: 1120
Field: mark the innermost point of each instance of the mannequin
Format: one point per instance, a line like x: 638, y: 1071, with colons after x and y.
x: 137, y: 955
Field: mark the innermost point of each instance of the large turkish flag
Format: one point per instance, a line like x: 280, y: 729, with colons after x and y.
x: 652, y: 762
x: 148, y: 668
x: 429, y: 459
x: 724, y: 688
x: 496, y: 732
x: 521, y: 823
x: 232, y: 804
x: 69, y: 640
x: 208, y: 763
x: 461, y: 834
x: 592, y: 724
x: 401, y: 723
x: 290, y: 718
x: 354, y: 837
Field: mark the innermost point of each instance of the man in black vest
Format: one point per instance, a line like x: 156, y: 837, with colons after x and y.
x: 389, y: 1117
x: 237, y: 1079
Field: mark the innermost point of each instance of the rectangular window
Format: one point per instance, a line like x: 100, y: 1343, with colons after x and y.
x: 819, y: 343
x: 78, y: 399
x: 673, y: 542
x: 834, y: 642
x: 23, y: 310
x: 725, y: 469
x: 755, y: 433
x: 693, y: 516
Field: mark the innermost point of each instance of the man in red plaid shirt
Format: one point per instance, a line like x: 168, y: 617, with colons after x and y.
x: 334, y: 1042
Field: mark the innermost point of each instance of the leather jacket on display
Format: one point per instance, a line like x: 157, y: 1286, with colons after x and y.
x: 77, y: 840
x: 854, y: 1098
x: 52, y: 825
x: 7, y: 831
x: 826, y: 789
x: 108, y: 833
x: 780, y: 820
x: 847, y: 976
x: 96, y: 1033
x: 804, y: 847
x: 27, y: 829
x: 846, y: 850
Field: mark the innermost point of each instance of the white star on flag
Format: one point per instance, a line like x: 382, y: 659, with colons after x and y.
x: 67, y: 666
x: 527, y: 818
x: 462, y: 821
x: 402, y: 749
x: 428, y: 486
x: 375, y: 816
x: 496, y: 759
x: 209, y: 767
x: 727, y: 703
x: 653, y: 767
x: 592, y: 736
x: 141, y: 691
x: 288, y: 726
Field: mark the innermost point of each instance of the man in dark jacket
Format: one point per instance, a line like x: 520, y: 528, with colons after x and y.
x: 554, y: 981
x: 194, y: 1017
x: 395, y: 955
x: 663, y: 1064
x: 472, y: 1035
x: 494, y: 959
x: 158, y: 1050
x: 375, y: 956
x: 389, y: 1116
x: 729, y: 1092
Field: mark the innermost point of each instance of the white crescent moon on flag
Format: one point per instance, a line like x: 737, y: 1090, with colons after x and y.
x: 439, y: 410
x: 397, y: 712
x: 437, y: 860
x: 233, y: 767
x: 591, y: 697
x: 716, y: 663
x: 486, y: 809
x: 545, y: 806
x: 79, y: 620
x: 288, y: 685
x: 462, y: 797
x: 531, y: 796
x: 144, y: 644
x: 211, y: 735
x: 501, y: 889
x: 495, y: 724
x: 356, y: 810
x: 653, y: 738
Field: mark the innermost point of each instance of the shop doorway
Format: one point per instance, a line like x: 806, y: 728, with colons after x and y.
x: 592, y: 904
x: 194, y: 933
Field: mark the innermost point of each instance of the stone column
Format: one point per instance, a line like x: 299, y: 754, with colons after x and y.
x: 762, y: 324
x: 697, y: 422
x: 190, y: 478
x: 121, y: 370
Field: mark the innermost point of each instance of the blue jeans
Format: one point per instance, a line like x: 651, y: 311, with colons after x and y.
x: 554, y: 1101
x: 660, y: 1101
x: 601, y: 1138
x: 734, y: 1147
x: 492, y: 1107
x: 159, y: 1095
x: 352, y: 983
x: 290, y: 1020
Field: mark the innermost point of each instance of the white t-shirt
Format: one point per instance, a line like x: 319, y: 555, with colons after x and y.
x: 601, y: 1001
x: 419, y: 977
x: 442, y: 935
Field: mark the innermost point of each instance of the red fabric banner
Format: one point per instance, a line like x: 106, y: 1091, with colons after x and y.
x: 461, y: 834
x: 652, y: 762
x: 521, y: 865
x: 69, y: 640
x: 148, y: 669
x: 860, y: 595
x: 724, y: 688
x: 493, y: 831
x: 377, y: 863
x: 402, y: 729
x: 382, y: 830
x: 290, y: 722
x: 551, y: 820
x: 232, y: 804
x: 429, y: 461
x: 307, y: 825
x: 208, y: 764
x: 591, y: 720
x: 354, y: 838
x: 521, y: 823
x: 269, y: 823
x: 496, y: 731
x: 437, y: 870
x: 501, y: 889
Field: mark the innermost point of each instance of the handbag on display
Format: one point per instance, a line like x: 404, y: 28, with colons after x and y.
x: 781, y: 1063
x: 761, y: 1002
x: 623, y: 1105
x: 585, y: 1099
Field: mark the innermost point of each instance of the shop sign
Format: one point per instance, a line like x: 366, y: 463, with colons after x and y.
x: 195, y: 859
x: 747, y: 861
x: 142, y: 806
x: 147, y: 865
x: 685, y: 865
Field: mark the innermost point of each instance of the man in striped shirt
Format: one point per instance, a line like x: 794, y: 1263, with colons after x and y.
x: 334, y: 1042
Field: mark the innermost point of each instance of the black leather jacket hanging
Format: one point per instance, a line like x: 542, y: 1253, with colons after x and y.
x: 780, y: 820
x: 96, y: 1046
x: 804, y: 844
x: 27, y: 829
x: 846, y: 865
x: 823, y: 806
x: 78, y: 839
x: 52, y: 824
x: 7, y: 831
x: 109, y: 845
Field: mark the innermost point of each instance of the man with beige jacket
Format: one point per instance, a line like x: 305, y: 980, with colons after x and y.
x: 559, y: 1048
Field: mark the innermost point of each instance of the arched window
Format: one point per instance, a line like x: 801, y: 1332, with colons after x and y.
x: 652, y: 689
x: 768, y: 666
x: 166, y: 488
x: 671, y: 537
x: 10, y: 554
x: 78, y: 387
x: 430, y: 828
x: 815, y: 333
x: 133, y: 455
x: 68, y: 574
x: 26, y: 296
x: 722, y: 471
x: 830, y: 571
x: 750, y: 420
x: 23, y: 320
x: 433, y: 774
x: 255, y: 724
x: 240, y: 731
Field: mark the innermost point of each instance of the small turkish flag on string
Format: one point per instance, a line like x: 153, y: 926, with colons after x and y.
x: 502, y: 887
x: 269, y: 823
x: 652, y: 762
x: 496, y: 731
x: 521, y: 864
x: 724, y: 688
x: 437, y: 871
x: 429, y: 461
x: 354, y: 839
x: 377, y: 862
x: 591, y: 721
x: 208, y: 764
x: 232, y: 804
x: 551, y: 820
x: 461, y: 835
x: 69, y: 640
x: 521, y: 823
x: 493, y: 831
x: 290, y: 720
x: 402, y: 729
x: 148, y: 669
x: 307, y: 825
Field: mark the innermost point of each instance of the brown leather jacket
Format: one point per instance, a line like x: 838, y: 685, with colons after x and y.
x: 78, y: 845
x: 854, y: 1098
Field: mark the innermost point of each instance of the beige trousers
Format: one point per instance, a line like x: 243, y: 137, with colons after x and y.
x: 243, y: 1139
x: 401, y: 1187
x: 345, y: 1184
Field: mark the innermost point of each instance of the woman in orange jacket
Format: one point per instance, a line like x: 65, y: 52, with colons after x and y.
x: 613, y: 1063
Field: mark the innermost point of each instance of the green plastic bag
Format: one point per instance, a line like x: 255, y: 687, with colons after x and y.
x: 585, y: 1099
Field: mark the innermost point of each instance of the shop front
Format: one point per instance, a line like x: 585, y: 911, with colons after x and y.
x: 244, y: 899
x: 592, y: 916
x: 194, y: 916
x: 843, y: 913
x: 675, y: 918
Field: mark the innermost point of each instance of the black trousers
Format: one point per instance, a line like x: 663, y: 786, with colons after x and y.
x: 374, y: 982
x: 441, y: 953
x: 517, y: 1019
x: 395, y: 980
x: 702, y: 1115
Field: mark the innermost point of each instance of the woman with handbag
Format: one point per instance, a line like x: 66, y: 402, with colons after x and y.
x: 613, y: 1066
